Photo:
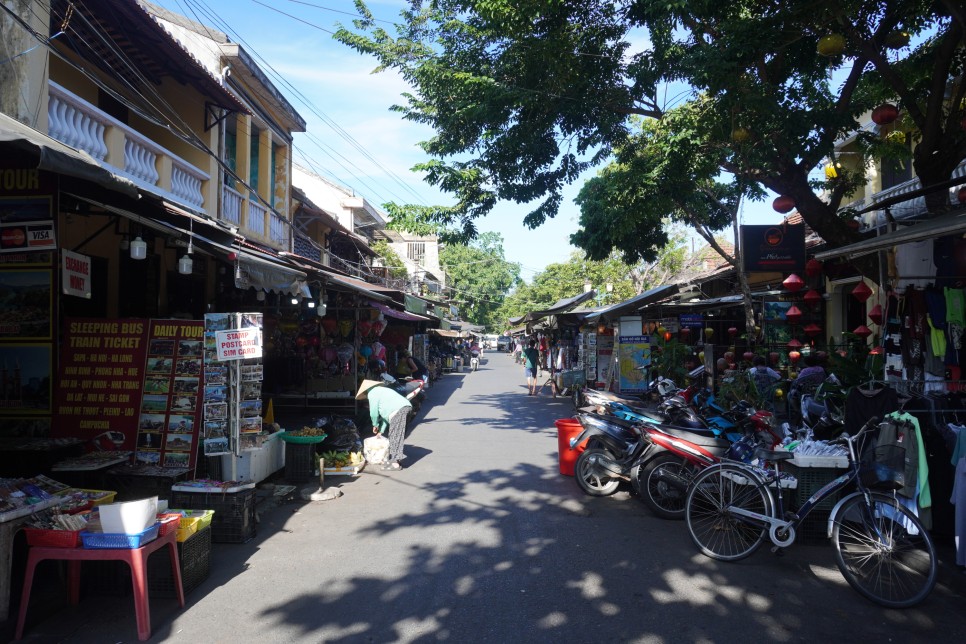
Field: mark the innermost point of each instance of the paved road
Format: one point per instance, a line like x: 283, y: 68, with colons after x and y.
x: 480, y: 539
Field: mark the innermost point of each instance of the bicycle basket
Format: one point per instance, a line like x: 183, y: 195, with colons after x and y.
x: 883, y: 461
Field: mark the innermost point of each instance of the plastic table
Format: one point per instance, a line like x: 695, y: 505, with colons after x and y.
x: 136, y: 558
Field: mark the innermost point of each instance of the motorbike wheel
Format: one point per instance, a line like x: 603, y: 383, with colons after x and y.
x: 664, y: 499
x: 591, y: 479
x: 578, y: 396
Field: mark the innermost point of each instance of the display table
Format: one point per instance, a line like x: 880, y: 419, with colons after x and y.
x: 28, y: 456
x: 139, y: 481
x: 136, y: 558
x: 87, y: 471
x: 10, y: 522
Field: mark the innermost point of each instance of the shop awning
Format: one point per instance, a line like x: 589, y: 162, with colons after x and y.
x: 947, y: 224
x: 49, y: 154
x: 446, y: 333
x: 560, y: 306
x: 632, y: 305
x: 723, y: 302
x: 399, y: 315
x: 263, y: 273
x: 326, y: 275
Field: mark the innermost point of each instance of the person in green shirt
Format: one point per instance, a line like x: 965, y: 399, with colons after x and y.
x: 531, y: 359
x: 388, y: 412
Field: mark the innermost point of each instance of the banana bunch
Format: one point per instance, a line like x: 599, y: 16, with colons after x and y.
x: 341, y: 459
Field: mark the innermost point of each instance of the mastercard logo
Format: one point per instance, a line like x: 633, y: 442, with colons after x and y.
x: 13, y: 238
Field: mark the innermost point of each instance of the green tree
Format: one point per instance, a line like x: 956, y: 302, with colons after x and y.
x: 524, y: 95
x: 392, y: 261
x: 479, y: 277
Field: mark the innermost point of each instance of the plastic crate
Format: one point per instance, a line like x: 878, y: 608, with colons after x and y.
x: 194, y: 555
x: 53, y: 538
x: 299, y: 462
x: 169, y: 522
x: 813, y: 530
x: 193, y: 521
x: 104, y: 540
x: 234, y: 512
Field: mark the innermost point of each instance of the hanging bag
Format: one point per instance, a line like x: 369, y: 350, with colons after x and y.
x: 883, y: 461
x: 376, y: 449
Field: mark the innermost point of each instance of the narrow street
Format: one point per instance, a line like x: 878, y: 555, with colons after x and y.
x: 480, y: 539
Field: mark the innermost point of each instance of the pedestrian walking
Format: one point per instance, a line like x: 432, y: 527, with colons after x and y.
x: 388, y: 412
x: 531, y: 359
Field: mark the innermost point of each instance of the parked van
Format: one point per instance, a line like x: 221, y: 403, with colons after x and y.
x: 504, y: 343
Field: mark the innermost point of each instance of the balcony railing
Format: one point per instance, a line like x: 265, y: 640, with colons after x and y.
x: 231, y: 205
x: 255, y: 223
x: 278, y: 230
x: 81, y: 125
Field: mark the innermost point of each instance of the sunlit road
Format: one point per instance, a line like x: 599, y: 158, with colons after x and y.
x: 480, y: 539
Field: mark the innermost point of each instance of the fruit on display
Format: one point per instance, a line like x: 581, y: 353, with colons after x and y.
x: 308, y: 431
x: 341, y: 459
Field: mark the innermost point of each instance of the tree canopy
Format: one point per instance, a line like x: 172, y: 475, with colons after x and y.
x: 525, y: 95
x: 479, y: 277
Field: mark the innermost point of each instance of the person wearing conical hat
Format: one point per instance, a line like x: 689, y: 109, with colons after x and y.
x: 388, y: 412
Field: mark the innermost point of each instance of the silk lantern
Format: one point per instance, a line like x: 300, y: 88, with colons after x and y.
x: 783, y: 204
x: 794, y: 356
x: 876, y: 314
x: 885, y: 114
x: 708, y: 333
x: 812, y: 297
x: 793, y: 314
x: 813, y: 267
x: 862, y: 331
x: 793, y: 283
x: 794, y: 343
x: 748, y: 356
x: 812, y: 330
x: 862, y: 292
x: 732, y: 331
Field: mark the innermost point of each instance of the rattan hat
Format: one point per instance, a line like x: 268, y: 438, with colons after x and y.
x: 365, y: 387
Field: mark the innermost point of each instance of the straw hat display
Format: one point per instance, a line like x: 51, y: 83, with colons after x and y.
x: 365, y: 387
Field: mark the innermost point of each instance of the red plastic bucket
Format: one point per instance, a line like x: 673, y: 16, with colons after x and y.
x: 568, y: 428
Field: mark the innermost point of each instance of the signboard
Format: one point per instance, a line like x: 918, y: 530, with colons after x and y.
x: 777, y: 249
x: 634, y: 352
x: 133, y: 384
x: 76, y: 274
x: 238, y: 344
x: 691, y: 320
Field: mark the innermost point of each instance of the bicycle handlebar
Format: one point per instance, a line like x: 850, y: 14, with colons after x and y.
x: 845, y: 438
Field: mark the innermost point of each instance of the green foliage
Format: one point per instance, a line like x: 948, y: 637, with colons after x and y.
x: 524, y: 96
x: 479, y: 277
x: 397, y: 269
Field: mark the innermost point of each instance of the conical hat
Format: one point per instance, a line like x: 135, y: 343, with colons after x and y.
x: 365, y: 387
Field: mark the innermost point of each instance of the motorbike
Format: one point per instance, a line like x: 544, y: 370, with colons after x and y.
x: 412, y: 389
x: 823, y: 412
x: 474, y: 360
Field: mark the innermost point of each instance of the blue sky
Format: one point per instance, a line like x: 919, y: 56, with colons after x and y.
x: 352, y: 137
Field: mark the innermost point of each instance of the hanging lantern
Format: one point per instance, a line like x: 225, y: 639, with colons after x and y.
x: 794, y: 343
x: 812, y: 297
x: 885, y: 114
x: 661, y: 330
x: 793, y: 314
x: 732, y: 331
x: 701, y: 356
x: 876, y: 314
x: 897, y: 39
x: 794, y: 356
x: 729, y: 356
x: 793, y: 283
x: 862, y: 331
x: 601, y: 329
x: 813, y: 267
x: 740, y: 134
x: 685, y: 331
x: 831, y: 45
x: 875, y: 351
x: 783, y: 204
x: 748, y: 356
x: 667, y: 336
x: 774, y: 357
x: 812, y: 330
x: 862, y: 292
x: 708, y: 333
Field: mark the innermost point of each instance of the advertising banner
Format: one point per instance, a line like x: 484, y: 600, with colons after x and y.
x: 76, y: 274
x: 634, y: 356
x: 778, y: 249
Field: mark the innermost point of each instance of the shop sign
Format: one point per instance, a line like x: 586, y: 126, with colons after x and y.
x: 773, y: 249
x: 27, y: 236
x: 634, y: 352
x: 415, y: 305
x: 691, y: 320
x: 76, y: 274
x: 238, y: 344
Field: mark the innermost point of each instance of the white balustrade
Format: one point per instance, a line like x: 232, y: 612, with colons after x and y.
x: 231, y: 205
x: 140, y: 162
x: 78, y: 129
x: 186, y: 183
x: 278, y: 230
x: 256, y: 217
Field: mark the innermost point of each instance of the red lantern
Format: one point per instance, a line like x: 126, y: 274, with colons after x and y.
x: 862, y: 292
x: 813, y: 267
x: 667, y: 336
x: 813, y: 297
x: 685, y: 331
x: 862, y: 331
x: 794, y: 343
x: 793, y: 283
x: 774, y: 356
x: 748, y: 356
x: 812, y: 330
x: 783, y: 204
x: 732, y: 331
x: 794, y: 356
x: 885, y: 114
x: 876, y: 314
x: 793, y: 315
x: 876, y: 351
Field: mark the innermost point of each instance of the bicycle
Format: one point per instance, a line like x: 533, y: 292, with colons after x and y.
x: 881, y: 548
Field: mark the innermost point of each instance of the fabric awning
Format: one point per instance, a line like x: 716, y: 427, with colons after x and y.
x: 50, y: 154
x: 947, y: 224
x: 399, y: 315
x: 263, y: 273
x: 446, y: 333
x: 632, y: 305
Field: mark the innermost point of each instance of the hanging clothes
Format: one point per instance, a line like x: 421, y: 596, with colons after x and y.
x: 958, y: 497
x: 863, y: 404
x: 914, y: 327
x: 914, y: 263
x: 917, y: 467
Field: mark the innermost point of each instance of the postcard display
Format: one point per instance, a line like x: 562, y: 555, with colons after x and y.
x: 233, y: 383
x: 133, y: 385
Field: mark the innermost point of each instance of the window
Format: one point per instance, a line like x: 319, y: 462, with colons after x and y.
x: 416, y: 251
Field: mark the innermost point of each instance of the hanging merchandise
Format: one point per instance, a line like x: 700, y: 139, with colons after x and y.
x: 813, y: 267
x: 345, y: 327
x: 812, y: 330
x: 812, y: 297
x: 875, y: 315
x: 793, y: 314
x: 793, y: 283
x: 862, y: 292
x: 862, y: 331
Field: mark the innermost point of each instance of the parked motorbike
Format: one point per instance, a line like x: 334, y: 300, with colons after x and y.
x: 824, y: 411
x: 412, y: 389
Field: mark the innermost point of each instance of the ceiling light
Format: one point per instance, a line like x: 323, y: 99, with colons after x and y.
x: 139, y: 248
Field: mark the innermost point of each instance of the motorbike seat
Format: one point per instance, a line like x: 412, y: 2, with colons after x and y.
x: 704, y: 438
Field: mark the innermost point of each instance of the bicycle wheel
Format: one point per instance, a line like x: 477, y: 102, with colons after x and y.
x: 715, y: 530
x: 883, y: 551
